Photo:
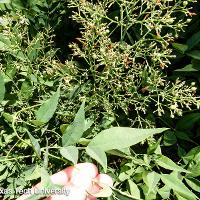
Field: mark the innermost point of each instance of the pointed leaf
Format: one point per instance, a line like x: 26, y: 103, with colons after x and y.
x: 169, y: 138
x: 74, y: 131
x: 187, y: 68
x: 164, y: 192
x: 187, y: 122
x: 193, y: 183
x: 180, y: 47
x: 134, y: 190
x: 194, y: 54
x: 121, y: 137
x: 35, y: 145
x: 192, y: 155
x: 194, y: 169
x: 123, y: 195
x: 48, y: 108
x: 151, y: 179
x: 179, y: 197
x: 167, y: 163
x: 98, y: 155
x: 194, y: 40
x: 70, y: 153
x: 172, y: 181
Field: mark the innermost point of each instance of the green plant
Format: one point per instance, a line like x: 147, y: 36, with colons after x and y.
x: 124, y: 47
x: 118, y: 71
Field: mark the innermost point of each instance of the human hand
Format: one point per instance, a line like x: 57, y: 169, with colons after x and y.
x: 82, y: 181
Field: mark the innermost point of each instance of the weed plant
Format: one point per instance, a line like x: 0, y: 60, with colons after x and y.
x: 116, y: 67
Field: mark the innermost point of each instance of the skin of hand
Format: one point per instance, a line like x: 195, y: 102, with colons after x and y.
x: 81, y: 180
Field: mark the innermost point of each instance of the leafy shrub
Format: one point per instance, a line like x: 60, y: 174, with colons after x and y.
x: 119, y: 63
x: 124, y: 50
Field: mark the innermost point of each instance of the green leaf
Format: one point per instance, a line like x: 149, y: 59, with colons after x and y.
x: 121, y: 152
x: 193, y: 183
x: 151, y: 179
x: 8, y: 117
x: 46, y: 184
x: 153, y: 147
x: 183, y: 136
x: 192, y: 155
x: 121, y: 137
x: 180, y: 47
x: 167, y: 163
x: 187, y: 68
x: 194, y: 40
x: 45, y: 179
x: 48, y: 108
x: 33, y: 173
x: 74, y: 131
x: 117, y: 138
x: 187, y: 122
x: 134, y: 190
x: 70, y: 153
x: 148, y: 195
x: 26, y: 90
x: 196, y: 64
x: 123, y: 196
x: 35, y: 145
x: 169, y: 138
x: 194, y: 169
x: 2, y: 88
x: 164, y: 192
x: 106, y: 191
x: 179, y: 197
x: 173, y: 182
x: 194, y: 54
x: 98, y: 155
x: 34, y: 47
x: 181, y: 151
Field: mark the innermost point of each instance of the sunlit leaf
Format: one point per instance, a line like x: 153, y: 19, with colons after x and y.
x: 35, y: 145
x: 70, y: 153
x: 167, y: 163
x: 173, y: 182
x: 74, y: 131
x: 48, y: 108
x: 117, y: 138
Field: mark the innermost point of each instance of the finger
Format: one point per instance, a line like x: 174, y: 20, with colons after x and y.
x: 104, y: 179
x: 81, y: 176
x: 72, y: 193
x: 60, y: 178
x: 101, y: 179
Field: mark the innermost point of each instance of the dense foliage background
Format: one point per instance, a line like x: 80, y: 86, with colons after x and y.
x: 72, y: 70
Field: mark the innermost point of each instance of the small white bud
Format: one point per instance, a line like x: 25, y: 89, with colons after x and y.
x: 193, y: 89
x: 185, y: 3
x: 94, y: 56
x: 173, y: 107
